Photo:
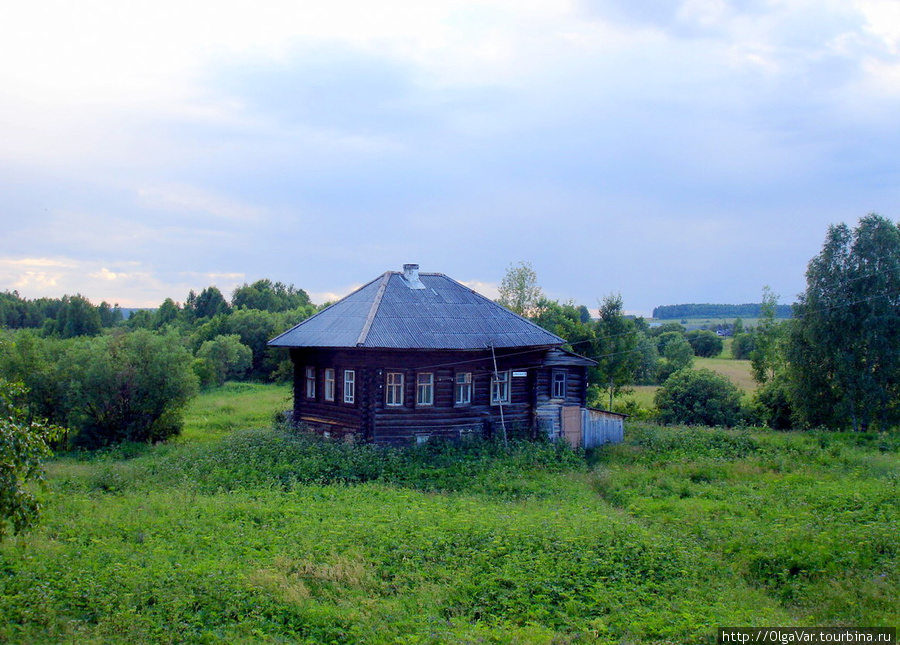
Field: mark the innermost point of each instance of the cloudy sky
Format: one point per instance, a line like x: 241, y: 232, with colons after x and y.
x: 670, y: 150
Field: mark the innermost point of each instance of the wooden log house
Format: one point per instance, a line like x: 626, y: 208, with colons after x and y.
x: 412, y: 355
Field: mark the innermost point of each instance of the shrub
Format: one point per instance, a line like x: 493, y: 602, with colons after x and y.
x: 742, y: 346
x: 676, y: 353
x: 705, y: 343
x: 23, y: 444
x: 774, y: 401
x: 698, y: 397
x: 225, y: 356
x: 129, y: 387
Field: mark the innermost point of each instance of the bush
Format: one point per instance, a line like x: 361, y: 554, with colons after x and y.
x: 774, y: 400
x: 223, y: 357
x: 705, y: 343
x: 129, y: 387
x: 23, y: 444
x: 677, y: 354
x: 698, y: 397
x: 742, y: 346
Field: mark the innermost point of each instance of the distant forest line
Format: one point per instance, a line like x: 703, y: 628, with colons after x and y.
x: 752, y: 310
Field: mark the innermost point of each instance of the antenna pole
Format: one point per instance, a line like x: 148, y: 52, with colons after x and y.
x: 500, y: 402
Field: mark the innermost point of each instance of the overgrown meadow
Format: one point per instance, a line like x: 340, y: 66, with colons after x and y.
x: 244, y: 532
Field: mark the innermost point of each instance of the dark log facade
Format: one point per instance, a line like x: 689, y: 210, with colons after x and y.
x: 369, y: 416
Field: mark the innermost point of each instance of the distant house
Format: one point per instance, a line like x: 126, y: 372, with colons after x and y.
x: 412, y: 355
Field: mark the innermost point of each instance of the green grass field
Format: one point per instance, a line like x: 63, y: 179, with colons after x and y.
x: 240, y: 532
x: 232, y: 407
x: 738, y: 372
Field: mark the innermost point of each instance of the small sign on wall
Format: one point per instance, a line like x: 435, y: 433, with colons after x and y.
x: 520, y: 374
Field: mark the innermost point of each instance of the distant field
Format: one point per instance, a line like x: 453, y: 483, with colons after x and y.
x: 738, y: 371
x: 704, y: 322
x: 643, y: 395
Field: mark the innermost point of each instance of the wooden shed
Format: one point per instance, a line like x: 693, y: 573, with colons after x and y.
x: 412, y: 355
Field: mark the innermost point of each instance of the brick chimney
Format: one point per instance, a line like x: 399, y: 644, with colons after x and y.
x: 411, y: 276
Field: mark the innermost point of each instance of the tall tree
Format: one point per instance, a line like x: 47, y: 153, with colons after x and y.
x: 618, y: 338
x: 766, y: 356
x: 209, y: 303
x: 844, y: 346
x: 519, y: 291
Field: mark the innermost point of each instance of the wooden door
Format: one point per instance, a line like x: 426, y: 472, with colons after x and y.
x: 571, y: 424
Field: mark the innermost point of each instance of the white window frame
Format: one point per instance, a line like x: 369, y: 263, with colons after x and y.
x: 349, y: 386
x: 501, y: 388
x: 329, y: 384
x: 558, y: 385
x: 310, y: 382
x: 462, y: 389
x: 393, y: 389
x: 425, y: 388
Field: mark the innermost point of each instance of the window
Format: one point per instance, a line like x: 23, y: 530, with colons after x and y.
x: 310, y: 382
x: 349, y: 386
x: 394, y: 389
x: 500, y: 388
x: 425, y: 388
x: 463, y: 389
x: 329, y: 384
x: 559, y: 384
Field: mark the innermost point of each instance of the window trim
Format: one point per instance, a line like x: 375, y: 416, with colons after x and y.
x: 391, y: 389
x: 310, y: 382
x: 329, y: 389
x: 425, y: 388
x: 554, y: 394
x: 501, y: 383
x: 350, y: 387
x: 466, y: 387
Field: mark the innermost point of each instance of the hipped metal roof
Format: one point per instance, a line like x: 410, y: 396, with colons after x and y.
x: 430, y: 312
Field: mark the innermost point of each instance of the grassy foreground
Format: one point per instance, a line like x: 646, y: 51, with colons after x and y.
x: 250, y: 535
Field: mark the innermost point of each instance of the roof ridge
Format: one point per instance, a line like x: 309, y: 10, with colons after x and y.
x: 376, y: 303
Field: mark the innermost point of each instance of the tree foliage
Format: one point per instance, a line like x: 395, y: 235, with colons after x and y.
x: 742, y: 346
x: 269, y: 296
x: 209, y: 303
x: 67, y: 317
x: 750, y: 310
x: 221, y: 358
x: 675, y: 352
x: 519, y: 290
x: 699, y: 397
x: 617, y: 336
x: 129, y: 387
x: 843, y: 349
x: 767, y: 353
x: 122, y: 386
x: 23, y: 446
x: 705, y: 343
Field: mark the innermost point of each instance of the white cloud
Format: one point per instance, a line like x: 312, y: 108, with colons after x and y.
x: 487, y: 289
x: 883, y: 20
x: 129, y: 284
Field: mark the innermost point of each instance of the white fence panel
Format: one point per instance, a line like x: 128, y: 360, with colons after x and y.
x: 599, y: 427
